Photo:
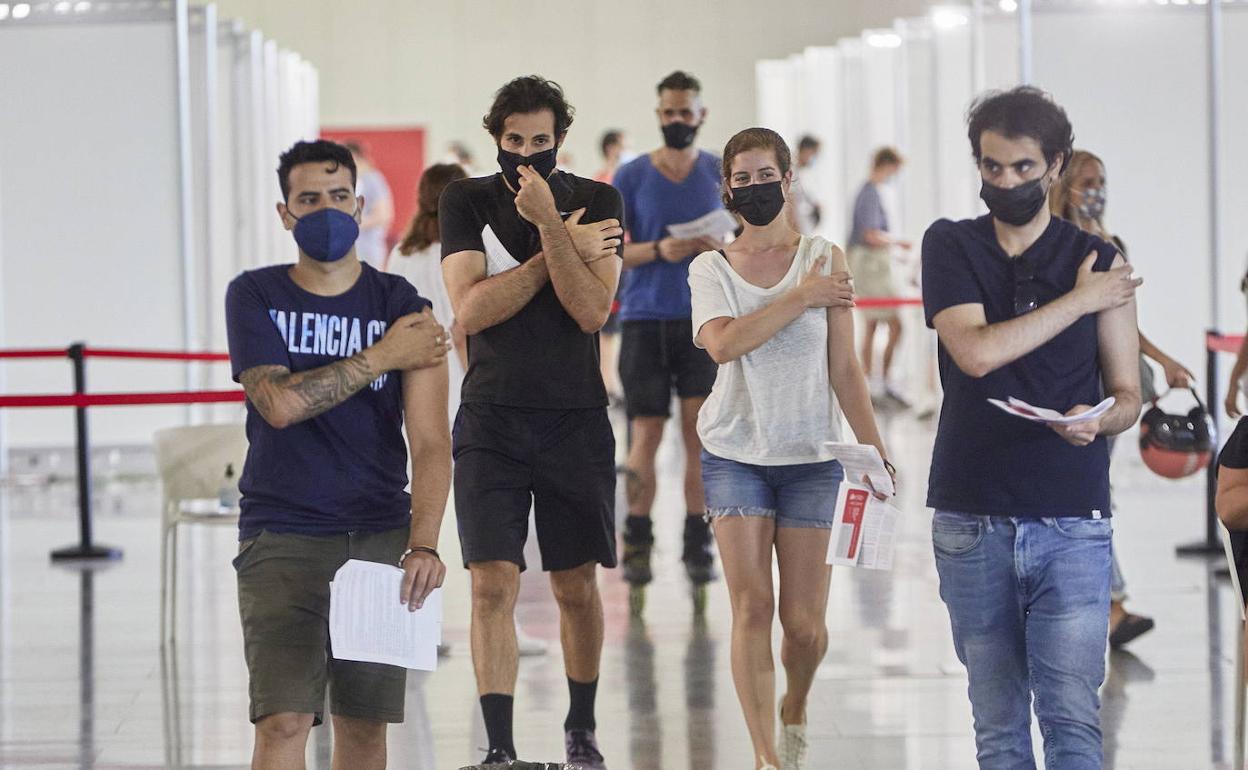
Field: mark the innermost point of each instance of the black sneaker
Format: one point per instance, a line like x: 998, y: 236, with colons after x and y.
x: 638, y: 545
x: 699, y: 553
x: 582, y: 750
x: 497, y: 758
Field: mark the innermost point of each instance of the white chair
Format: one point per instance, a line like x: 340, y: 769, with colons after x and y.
x: 192, y: 463
x: 1238, y: 762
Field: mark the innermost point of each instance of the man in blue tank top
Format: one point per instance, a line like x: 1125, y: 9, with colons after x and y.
x: 1028, y: 306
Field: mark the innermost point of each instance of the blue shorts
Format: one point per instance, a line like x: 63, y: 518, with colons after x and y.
x: 801, y: 495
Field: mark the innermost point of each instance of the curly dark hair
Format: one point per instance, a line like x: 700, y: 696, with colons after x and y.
x: 322, y: 150
x: 1022, y: 111
x: 531, y: 93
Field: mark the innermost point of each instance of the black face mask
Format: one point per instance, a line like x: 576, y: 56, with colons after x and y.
x: 1015, y: 205
x: 542, y: 162
x: 758, y: 204
x: 678, y: 136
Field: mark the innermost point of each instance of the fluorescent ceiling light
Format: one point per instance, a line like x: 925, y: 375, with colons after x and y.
x: 21, y: 10
x: 949, y: 17
x: 1009, y: 6
x: 883, y: 39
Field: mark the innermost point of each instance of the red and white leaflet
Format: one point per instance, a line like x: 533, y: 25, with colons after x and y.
x: 1020, y: 408
x: 863, y: 530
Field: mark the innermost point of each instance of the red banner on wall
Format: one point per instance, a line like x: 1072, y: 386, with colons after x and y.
x: 399, y: 153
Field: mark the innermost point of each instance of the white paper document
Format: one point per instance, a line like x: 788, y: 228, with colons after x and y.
x: 718, y: 225
x: 367, y: 623
x: 1020, y: 408
x: 864, y: 531
x: 860, y: 460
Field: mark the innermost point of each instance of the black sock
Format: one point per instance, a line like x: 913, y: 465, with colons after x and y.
x: 581, y: 708
x: 638, y: 529
x: 497, y: 710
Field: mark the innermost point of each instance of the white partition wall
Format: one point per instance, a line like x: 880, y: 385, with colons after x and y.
x: 91, y: 219
x: 822, y: 92
x: 1142, y: 105
x: 103, y: 237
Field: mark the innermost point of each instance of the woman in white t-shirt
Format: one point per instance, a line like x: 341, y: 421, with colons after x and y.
x: 418, y: 258
x: 774, y: 311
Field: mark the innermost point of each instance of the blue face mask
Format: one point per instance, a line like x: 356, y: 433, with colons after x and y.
x: 326, y: 235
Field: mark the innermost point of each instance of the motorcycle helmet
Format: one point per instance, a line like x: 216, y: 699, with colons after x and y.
x: 1177, y: 445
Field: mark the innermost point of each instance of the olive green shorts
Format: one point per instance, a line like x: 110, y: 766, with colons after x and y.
x: 283, y: 599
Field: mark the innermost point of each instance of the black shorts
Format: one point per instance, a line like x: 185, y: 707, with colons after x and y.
x: 657, y: 356
x: 559, y: 462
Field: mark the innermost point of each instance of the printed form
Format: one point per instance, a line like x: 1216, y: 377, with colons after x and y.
x: 367, y: 623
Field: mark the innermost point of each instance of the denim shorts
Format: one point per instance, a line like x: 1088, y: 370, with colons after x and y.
x: 802, y: 495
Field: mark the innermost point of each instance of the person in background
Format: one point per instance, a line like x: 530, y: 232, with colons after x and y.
x: 1080, y: 197
x: 674, y: 184
x: 1234, y: 385
x: 378, y: 211
x: 612, y: 145
x: 458, y: 153
x: 805, y: 208
x: 871, y: 263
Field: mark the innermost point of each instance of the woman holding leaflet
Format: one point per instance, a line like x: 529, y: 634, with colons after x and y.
x: 773, y: 311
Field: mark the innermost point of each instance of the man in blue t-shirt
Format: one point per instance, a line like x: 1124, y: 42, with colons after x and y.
x: 1028, y: 306
x: 674, y: 184
x: 336, y: 359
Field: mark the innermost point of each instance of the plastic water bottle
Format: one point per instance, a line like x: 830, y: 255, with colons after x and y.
x: 228, y: 495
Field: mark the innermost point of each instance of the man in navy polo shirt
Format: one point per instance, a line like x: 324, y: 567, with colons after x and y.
x: 1029, y: 306
x: 336, y: 358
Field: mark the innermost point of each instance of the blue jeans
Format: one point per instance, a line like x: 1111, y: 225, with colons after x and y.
x: 1028, y: 601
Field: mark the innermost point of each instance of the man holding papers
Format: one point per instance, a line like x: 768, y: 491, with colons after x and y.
x: 672, y: 201
x: 336, y: 359
x: 1027, y: 307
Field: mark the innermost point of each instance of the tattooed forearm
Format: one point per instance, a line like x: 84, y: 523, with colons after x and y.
x: 284, y: 398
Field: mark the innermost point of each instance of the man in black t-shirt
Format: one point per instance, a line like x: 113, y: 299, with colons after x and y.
x: 531, y: 262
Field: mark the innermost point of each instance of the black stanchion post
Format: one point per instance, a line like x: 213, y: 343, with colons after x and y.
x: 86, y: 548
x: 1212, y: 545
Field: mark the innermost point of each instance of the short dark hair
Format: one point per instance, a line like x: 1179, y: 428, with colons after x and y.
x: 679, y: 81
x: 319, y: 151
x: 531, y: 93
x: 610, y: 138
x: 1022, y: 111
x: 885, y: 156
x: 807, y: 142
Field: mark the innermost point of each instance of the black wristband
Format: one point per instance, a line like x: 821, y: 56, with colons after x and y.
x: 421, y: 548
x: 889, y: 467
x: 657, y: 253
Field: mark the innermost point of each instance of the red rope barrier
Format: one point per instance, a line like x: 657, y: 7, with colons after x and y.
x: 34, y: 353
x: 154, y: 355
x: 123, y: 399
x: 877, y: 302
x: 1224, y: 343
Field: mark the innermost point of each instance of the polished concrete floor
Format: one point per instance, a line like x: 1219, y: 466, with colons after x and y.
x: 84, y: 682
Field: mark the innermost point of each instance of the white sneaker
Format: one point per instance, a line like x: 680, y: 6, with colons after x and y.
x: 767, y: 765
x: 528, y: 645
x: 792, y: 744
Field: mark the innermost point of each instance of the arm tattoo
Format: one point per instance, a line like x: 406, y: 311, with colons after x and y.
x: 299, y: 396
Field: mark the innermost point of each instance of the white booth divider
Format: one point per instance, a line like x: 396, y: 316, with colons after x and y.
x: 1134, y: 80
x: 92, y: 202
